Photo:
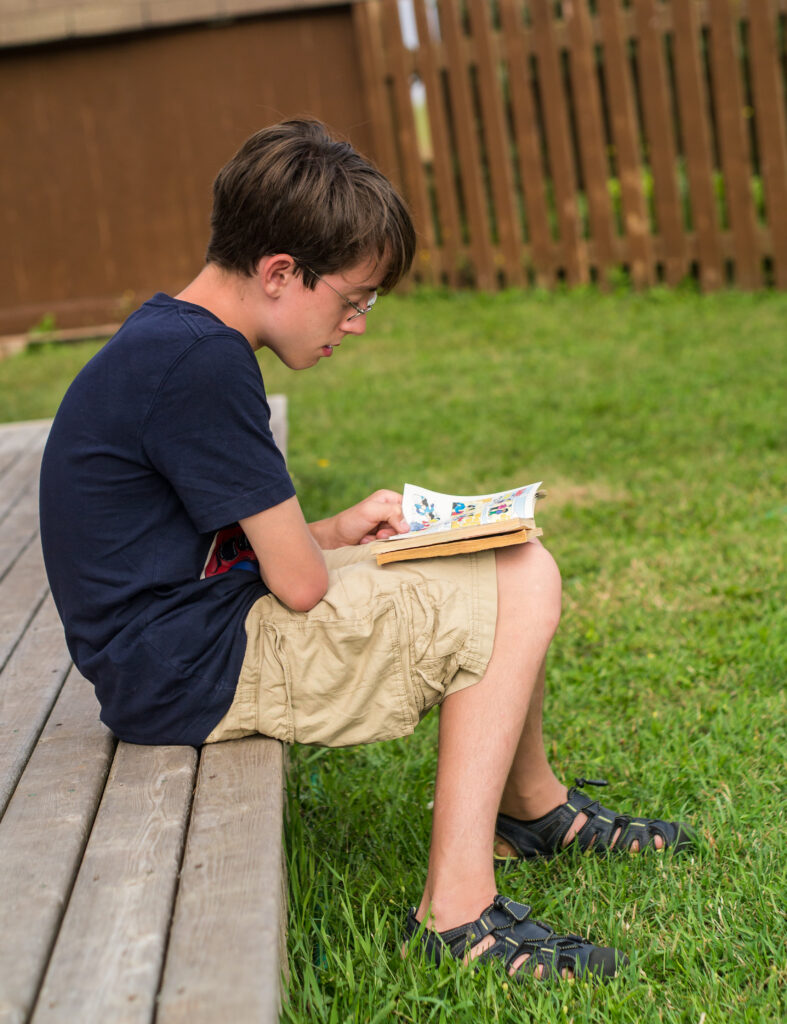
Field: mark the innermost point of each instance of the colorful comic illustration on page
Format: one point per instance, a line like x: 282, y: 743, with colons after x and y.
x: 430, y: 510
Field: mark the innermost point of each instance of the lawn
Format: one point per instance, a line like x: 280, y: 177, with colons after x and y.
x: 657, y: 423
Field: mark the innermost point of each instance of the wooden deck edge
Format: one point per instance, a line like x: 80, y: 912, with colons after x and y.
x: 227, y: 943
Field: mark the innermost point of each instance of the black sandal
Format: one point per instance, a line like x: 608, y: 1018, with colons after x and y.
x: 516, y: 933
x: 544, y: 837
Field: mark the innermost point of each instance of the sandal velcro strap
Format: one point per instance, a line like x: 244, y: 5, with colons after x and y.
x: 543, y: 837
x: 516, y: 934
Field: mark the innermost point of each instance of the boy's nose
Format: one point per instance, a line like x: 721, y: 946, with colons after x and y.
x: 356, y: 326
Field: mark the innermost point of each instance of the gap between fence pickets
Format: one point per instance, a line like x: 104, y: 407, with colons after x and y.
x: 42, y: 836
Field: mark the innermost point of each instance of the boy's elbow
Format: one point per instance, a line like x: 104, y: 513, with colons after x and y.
x: 303, y: 595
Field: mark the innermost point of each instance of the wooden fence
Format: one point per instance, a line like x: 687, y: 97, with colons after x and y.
x: 540, y: 141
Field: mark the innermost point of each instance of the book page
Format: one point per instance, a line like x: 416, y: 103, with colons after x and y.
x: 432, y: 512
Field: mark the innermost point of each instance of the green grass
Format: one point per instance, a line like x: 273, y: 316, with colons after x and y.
x: 657, y: 423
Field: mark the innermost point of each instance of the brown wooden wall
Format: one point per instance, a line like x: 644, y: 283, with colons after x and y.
x: 108, y: 149
x: 546, y: 140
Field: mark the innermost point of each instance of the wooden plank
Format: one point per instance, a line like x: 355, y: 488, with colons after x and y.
x: 693, y: 104
x: 734, y: 142
x: 19, y: 528
x: 561, y: 159
x: 655, y: 98
x: 29, y: 685
x: 498, y: 150
x: 21, y: 476
x: 17, y: 438
x: 371, y: 54
x: 223, y: 961
x: 769, y: 115
x: 528, y: 142
x: 625, y: 136
x: 42, y: 836
x: 586, y: 100
x: 106, y: 964
x: 468, y: 151
x: 442, y: 153
x: 23, y: 590
x: 412, y: 168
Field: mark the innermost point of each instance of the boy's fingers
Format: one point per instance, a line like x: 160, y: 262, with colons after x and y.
x: 383, y: 512
x: 386, y: 495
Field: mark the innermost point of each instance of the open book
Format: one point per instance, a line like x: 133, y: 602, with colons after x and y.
x: 448, y: 524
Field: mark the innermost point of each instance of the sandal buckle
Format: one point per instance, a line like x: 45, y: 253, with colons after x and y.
x: 517, y: 911
x: 579, y: 783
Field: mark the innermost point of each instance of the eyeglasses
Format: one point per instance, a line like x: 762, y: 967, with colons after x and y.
x: 359, y: 310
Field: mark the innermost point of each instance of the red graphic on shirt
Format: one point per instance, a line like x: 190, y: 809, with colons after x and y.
x: 230, y: 550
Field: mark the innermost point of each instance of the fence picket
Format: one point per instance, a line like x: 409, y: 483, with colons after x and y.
x: 464, y: 121
x: 770, y: 121
x: 592, y: 143
x: 623, y: 118
x: 655, y: 96
x: 430, y: 70
x: 733, y: 143
x: 527, y: 143
x: 696, y: 141
x: 556, y: 116
x: 366, y: 23
x: 412, y: 172
x: 498, y: 157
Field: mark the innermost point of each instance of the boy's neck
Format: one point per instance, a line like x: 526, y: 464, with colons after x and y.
x: 228, y: 296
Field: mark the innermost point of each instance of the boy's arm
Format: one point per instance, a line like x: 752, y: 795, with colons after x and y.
x: 374, y: 518
x: 291, y: 563
x: 288, y: 548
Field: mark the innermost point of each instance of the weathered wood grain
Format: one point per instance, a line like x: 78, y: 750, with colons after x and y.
x: 107, y: 961
x: 18, y: 529
x: 23, y: 590
x: 42, y: 836
x: 17, y: 438
x: 20, y: 477
x: 29, y: 685
x: 223, y: 957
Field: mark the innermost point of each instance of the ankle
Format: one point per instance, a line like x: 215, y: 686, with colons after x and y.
x: 533, y: 801
x: 442, y: 913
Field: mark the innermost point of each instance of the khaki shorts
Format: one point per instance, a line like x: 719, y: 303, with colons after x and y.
x: 384, y: 645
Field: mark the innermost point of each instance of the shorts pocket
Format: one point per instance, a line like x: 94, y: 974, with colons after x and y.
x: 344, y: 678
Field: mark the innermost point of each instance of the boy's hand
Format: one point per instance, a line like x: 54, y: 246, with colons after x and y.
x: 374, y: 518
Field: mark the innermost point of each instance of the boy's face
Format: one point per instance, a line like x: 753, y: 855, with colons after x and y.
x: 311, y: 323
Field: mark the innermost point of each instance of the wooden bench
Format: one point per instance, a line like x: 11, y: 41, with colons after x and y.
x: 136, y: 883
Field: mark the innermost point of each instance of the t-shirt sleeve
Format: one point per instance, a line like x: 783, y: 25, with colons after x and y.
x: 208, y: 432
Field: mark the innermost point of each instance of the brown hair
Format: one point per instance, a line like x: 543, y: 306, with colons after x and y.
x: 292, y: 188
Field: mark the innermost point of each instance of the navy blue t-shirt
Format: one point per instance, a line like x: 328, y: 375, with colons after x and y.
x: 162, y: 440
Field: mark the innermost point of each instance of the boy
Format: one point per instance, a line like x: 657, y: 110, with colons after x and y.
x: 160, y: 459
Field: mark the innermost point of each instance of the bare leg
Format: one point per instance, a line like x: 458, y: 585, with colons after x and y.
x: 481, y: 731
x: 531, y: 789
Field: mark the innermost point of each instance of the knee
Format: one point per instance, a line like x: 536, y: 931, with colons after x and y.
x: 529, y: 577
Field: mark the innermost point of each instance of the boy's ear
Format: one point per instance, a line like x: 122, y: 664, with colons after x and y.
x: 275, y: 273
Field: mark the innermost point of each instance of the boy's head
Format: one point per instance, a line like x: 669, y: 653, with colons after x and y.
x: 291, y: 188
